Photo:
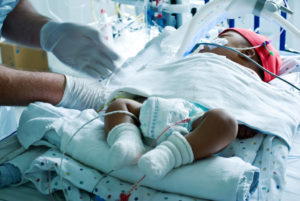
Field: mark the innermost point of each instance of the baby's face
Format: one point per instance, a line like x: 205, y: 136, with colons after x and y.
x: 235, y: 40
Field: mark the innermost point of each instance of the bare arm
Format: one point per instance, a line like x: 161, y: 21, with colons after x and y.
x: 21, y: 87
x: 23, y: 25
x: 245, y: 132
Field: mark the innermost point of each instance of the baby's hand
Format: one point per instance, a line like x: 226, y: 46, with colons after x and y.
x: 245, y: 132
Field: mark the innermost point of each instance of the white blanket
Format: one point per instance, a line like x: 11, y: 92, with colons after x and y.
x: 212, y: 82
x: 216, y: 82
x: 232, y: 178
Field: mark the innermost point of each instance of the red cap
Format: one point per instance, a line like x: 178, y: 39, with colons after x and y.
x: 270, y: 62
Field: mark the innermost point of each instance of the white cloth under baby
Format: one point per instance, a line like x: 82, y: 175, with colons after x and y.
x: 41, y: 120
x: 233, y: 178
x: 158, y: 114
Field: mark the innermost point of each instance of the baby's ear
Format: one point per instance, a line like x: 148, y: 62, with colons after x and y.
x: 249, y: 52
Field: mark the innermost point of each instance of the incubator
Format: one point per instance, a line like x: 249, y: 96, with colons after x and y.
x: 216, y: 11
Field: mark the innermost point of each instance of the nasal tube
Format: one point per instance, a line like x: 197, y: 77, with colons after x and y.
x: 214, y: 43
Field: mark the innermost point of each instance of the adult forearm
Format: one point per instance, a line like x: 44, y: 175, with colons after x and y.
x: 21, y: 87
x: 23, y: 25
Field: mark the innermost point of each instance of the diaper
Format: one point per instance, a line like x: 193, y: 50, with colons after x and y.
x: 157, y: 114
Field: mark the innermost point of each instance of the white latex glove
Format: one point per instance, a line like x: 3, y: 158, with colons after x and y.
x: 79, y: 47
x: 83, y: 94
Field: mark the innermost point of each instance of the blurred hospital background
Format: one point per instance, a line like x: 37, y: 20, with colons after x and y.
x: 128, y: 25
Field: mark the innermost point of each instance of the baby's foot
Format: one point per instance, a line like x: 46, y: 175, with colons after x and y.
x: 172, y: 153
x: 157, y: 162
x: 124, y: 153
x: 126, y: 145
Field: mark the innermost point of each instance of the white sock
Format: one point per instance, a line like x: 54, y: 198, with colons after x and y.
x: 172, y: 153
x: 126, y: 145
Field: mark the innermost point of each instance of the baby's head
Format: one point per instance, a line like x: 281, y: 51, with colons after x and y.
x: 243, y: 38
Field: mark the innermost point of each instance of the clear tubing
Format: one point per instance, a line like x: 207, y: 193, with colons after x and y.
x: 205, y: 19
x: 283, y: 22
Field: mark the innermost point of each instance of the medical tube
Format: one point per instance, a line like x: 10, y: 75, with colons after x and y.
x: 283, y: 22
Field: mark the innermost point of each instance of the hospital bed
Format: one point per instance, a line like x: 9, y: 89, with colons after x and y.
x: 151, y: 53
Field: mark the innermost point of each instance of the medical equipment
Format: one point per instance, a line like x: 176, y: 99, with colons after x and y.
x: 171, y: 13
x: 218, y: 10
x: 218, y: 41
x: 105, y: 28
x: 163, y: 13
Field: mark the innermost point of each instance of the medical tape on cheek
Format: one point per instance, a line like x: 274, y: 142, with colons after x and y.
x: 212, y: 44
x: 121, y: 112
x: 218, y: 41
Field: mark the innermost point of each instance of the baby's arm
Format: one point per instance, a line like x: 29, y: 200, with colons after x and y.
x: 245, y: 132
x: 121, y: 104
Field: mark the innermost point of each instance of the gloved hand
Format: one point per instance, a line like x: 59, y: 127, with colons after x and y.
x: 83, y: 94
x: 79, y: 47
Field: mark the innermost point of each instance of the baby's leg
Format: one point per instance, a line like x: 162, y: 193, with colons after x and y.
x: 123, y: 135
x: 210, y: 134
x: 121, y: 104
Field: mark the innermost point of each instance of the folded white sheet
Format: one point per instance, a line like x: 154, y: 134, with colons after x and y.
x: 49, y: 174
x: 232, y: 178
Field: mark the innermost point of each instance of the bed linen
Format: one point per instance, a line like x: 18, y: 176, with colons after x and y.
x: 110, y: 188
x: 116, y: 81
x: 39, y: 188
x: 136, y: 86
x: 278, y: 126
x: 293, y: 174
x: 207, y: 175
x: 213, y: 81
x: 25, y: 192
x: 291, y: 192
